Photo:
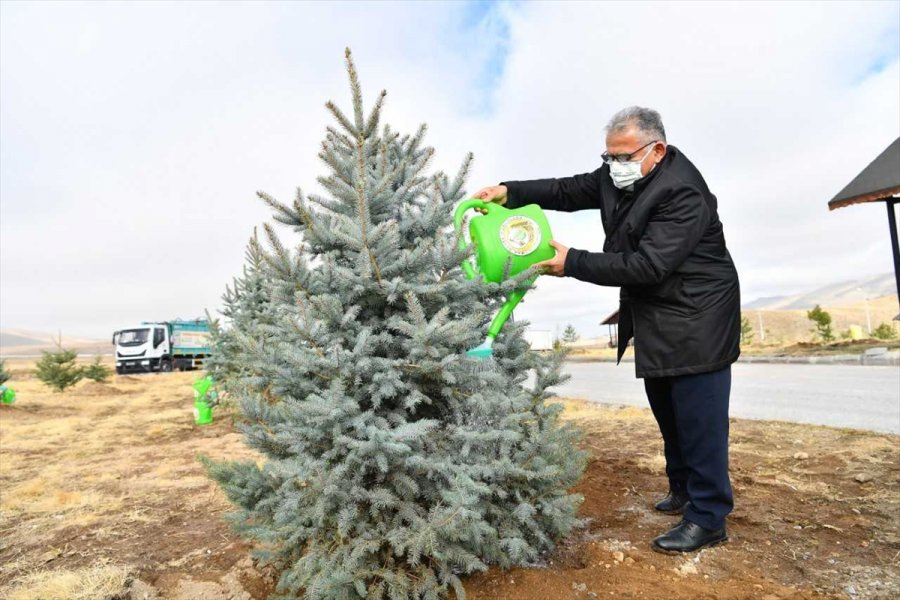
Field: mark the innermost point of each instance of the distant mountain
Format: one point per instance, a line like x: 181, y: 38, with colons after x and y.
x: 8, y: 338
x: 764, y: 302
x: 835, y: 294
x: 20, y: 341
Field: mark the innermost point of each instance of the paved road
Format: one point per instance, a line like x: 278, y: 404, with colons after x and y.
x: 838, y: 395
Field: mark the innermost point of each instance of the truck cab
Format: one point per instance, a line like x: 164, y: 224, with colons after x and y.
x: 162, y: 346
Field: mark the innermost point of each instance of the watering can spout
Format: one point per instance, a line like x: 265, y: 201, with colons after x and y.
x: 483, y: 350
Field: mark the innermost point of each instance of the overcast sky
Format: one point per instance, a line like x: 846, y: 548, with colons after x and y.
x: 133, y: 136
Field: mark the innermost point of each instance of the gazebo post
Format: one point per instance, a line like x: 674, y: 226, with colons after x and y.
x: 892, y: 223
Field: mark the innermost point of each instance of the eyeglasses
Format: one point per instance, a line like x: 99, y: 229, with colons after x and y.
x: 622, y: 158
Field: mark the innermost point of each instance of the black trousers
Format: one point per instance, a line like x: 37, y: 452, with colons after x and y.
x: 692, y: 413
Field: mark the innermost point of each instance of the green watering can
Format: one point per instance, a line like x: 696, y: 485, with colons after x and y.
x: 7, y: 395
x: 202, y: 410
x: 519, y: 236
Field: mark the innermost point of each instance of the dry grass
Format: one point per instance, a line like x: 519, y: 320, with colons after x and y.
x: 90, y: 583
x: 578, y: 408
x: 102, y: 458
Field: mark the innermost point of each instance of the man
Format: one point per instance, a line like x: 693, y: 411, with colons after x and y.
x: 679, y: 299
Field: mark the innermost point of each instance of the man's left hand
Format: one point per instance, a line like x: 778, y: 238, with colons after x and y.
x: 556, y: 266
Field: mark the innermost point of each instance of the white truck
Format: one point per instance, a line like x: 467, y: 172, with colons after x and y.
x: 539, y: 339
x: 162, y: 346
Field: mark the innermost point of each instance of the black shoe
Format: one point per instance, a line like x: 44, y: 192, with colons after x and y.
x: 673, y: 504
x: 688, y: 537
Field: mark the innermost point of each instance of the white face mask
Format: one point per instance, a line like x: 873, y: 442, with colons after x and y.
x: 624, y: 175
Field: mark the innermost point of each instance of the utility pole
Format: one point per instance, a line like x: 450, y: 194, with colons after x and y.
x: 868, y: 314
x: 868, y: 317
x: 762, y: 330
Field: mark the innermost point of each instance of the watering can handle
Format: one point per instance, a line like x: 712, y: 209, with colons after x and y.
x: 458, y: 217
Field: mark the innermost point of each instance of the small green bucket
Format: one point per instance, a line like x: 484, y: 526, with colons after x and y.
x: 202, y: 413
x: 202, y: 409
x: 7, y: 395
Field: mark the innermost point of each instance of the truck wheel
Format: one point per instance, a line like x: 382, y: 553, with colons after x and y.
x: 119, y: 370
x: 165, y: 366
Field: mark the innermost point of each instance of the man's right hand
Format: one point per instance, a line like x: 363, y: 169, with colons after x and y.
x: 494, y: 193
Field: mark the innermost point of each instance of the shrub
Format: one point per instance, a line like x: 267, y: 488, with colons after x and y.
x: 96, y: 371
x: 58, y: 370
x: 822, y: 321
x: 884, y: 332
x: 569, y: 334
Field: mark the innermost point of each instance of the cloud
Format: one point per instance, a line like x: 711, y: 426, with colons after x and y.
x: 134, y: 135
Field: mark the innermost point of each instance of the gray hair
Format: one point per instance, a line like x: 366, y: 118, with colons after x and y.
x: 646, y: 120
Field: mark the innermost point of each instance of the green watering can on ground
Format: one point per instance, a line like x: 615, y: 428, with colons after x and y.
x: 519, y: 236
x: 202, y: 409
x: 7, y: 395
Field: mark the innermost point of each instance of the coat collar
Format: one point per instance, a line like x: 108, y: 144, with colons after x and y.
x: 611, y: 195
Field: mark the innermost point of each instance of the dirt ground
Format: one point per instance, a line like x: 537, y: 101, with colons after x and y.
x: 101, y: 496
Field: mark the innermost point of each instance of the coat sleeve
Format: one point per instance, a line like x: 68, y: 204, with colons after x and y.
x: 673, y: 231
x: 566, y: 194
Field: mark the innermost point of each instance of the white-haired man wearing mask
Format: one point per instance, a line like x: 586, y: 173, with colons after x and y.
x: 679, y: 300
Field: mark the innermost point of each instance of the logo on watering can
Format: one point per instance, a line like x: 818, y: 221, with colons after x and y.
x: 520, y: 235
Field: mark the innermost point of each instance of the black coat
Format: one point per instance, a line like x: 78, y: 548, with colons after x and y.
x: 665, y: 248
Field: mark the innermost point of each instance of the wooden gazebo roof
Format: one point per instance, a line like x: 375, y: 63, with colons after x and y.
x: 878, y: 181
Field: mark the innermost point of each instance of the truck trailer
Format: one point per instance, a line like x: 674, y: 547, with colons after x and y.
x: 162, y: 346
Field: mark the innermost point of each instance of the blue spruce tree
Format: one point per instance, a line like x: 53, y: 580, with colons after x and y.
x: 394, y: 464
x: 247, y: 305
